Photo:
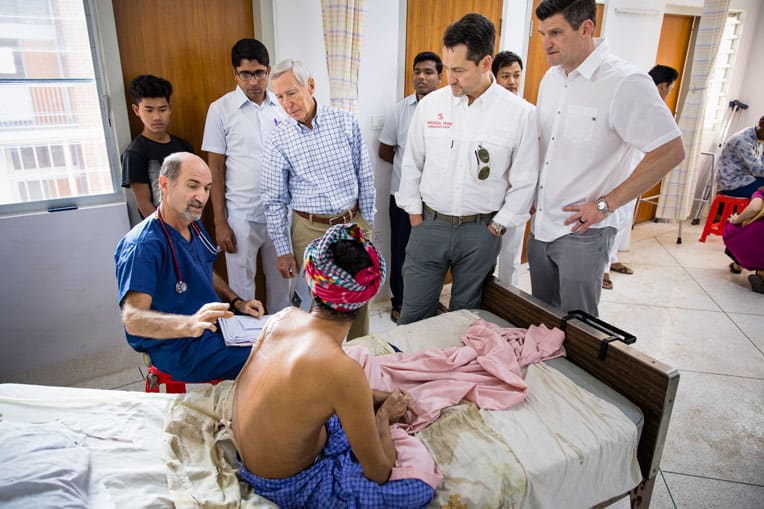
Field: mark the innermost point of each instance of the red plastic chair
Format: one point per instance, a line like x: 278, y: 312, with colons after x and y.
x: 730, y: 204
x: 156, y: 378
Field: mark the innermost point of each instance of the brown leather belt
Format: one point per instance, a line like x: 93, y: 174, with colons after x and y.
x: 457, y: 220
x: 341, y: 218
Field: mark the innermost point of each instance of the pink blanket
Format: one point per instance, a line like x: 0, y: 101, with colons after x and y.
x: 485, y: 371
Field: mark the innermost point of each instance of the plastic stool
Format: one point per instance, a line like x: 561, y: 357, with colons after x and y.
x: 730, y: 204
x: 156, y: 378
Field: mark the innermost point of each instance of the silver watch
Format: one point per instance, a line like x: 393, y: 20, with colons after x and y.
x: 500, y: 229
x: 602, y: 205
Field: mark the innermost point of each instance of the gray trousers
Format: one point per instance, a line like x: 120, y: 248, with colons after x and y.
x: 567, y: 272
x: 469, y: 249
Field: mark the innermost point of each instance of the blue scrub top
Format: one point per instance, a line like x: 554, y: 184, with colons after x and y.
x: 144, y: 264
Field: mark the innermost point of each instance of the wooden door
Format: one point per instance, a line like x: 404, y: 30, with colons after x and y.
x: 426, y: 20
x: 188, y: 43
x: 676, y: 33
x: 536, y: 66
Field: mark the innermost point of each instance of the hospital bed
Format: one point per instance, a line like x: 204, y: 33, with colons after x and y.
x: 591, y: 431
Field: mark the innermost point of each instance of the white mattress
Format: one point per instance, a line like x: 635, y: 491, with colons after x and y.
x: 563, y: 447
x: 122, y: 430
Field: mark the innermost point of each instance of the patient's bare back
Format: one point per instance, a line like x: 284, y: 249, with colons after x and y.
x: 286, y: 393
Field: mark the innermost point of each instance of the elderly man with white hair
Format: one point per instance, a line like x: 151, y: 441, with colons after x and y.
x: 316, y: 165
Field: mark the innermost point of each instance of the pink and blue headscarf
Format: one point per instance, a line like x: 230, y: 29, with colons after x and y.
x: 334, y: 286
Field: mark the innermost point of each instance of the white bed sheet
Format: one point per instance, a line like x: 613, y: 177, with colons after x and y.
x: 123, y: 431
x: 585, y: 454
x: 562, y: 447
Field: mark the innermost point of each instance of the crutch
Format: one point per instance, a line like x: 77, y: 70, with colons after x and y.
x: 735, y: 107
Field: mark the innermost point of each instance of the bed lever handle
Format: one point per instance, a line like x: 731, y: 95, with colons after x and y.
x: 613, y: 332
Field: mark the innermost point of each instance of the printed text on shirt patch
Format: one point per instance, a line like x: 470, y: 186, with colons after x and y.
x: 439, y: 123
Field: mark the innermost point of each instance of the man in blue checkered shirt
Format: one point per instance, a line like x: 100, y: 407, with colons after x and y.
x: 317, y: 166
x: 741, y: 166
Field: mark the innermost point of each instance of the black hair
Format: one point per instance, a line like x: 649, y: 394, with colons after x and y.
x: 350, y: 256
x: 663, y: 74
x: 474, y: 31
x: 503, y: 59
x: 149, y: 86
x: 426, y: 56
x: 249, y: 49
x: 575, y: 12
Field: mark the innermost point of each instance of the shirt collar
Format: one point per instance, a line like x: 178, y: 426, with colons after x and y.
x: 593, y: 61
x: 320, y: 110
x: 242, y: 99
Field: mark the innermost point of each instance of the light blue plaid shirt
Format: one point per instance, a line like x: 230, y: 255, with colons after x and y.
x: 323, y: 170
x: 742, y: 160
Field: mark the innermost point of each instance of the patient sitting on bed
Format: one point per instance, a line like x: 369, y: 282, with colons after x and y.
x: 304, y: 418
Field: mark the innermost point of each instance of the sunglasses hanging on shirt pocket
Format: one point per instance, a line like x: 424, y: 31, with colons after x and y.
x: 483, y: 162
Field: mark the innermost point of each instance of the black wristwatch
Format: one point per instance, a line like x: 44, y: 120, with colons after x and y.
x: 602, y: 205
x: 500, y: 229
x: 233, y: 307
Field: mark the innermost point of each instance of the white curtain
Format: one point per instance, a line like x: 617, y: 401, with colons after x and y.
x: 678, y: 189
x: 344, y: 22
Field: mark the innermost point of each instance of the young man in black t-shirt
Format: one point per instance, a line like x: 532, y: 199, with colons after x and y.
x: 143, y: 158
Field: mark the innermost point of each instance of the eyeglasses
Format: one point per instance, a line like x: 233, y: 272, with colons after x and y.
x: 259, y: 75
x: 482, y: 156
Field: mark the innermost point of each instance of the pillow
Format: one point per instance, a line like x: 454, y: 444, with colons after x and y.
x: 42, y: 465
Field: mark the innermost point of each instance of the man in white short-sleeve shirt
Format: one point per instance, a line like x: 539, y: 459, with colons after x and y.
x: 593, y: 107
x: 238, y: 126
x: 392, y: 144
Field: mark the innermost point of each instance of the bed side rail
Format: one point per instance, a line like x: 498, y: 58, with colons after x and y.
x: 647, y: 382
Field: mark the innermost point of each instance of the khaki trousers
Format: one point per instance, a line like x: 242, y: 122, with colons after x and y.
x: 304, y: 232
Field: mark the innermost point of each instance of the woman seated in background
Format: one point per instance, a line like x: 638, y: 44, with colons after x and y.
x: 744, y: 240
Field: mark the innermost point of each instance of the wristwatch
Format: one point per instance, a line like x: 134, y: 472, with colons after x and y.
x: 233, y: 307
x: 602, y: 205
x: 500, y: 229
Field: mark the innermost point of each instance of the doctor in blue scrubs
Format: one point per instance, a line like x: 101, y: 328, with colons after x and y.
x: 170, y: 297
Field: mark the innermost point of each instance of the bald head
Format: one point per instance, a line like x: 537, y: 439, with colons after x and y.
x: 172, y: 163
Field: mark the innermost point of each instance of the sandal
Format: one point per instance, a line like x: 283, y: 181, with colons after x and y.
x: 735, y: 268
x: 621, y: 268
x: 607, y: 284
x: 757, y: 284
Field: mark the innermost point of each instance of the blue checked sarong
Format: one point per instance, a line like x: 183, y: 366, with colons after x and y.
x: 336, y: 479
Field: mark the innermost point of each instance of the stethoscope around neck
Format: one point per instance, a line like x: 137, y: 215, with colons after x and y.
x: 180, y: 285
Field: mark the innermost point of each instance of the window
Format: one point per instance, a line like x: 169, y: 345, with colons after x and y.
x: 53, y: 133
x: 717, y: 100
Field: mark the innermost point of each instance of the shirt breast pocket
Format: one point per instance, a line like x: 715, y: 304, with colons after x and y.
x: 441, y: 145
x: 580, y: 122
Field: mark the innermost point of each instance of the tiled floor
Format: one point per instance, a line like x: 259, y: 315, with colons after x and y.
x: 690, y: 312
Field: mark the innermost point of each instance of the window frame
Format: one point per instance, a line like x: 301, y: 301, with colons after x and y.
x: 721, y: 72
x: 107, y: 125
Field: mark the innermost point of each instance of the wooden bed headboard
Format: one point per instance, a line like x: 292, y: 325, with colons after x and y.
x: 647, y: 382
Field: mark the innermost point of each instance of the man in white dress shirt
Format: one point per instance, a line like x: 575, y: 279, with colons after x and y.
x: 238, y: 126
x: 468, y: 174
x: 593, y: 108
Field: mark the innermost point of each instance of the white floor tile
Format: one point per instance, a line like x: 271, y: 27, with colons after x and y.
x: 646, y: 251
x: 752, y: 326
x: 688, y: 339
x: 731, y: 292
x: 660, y: 286
x: 691, y: 253
x: 114, y: 380
x: 717, y: 429
x: 689, y: 491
